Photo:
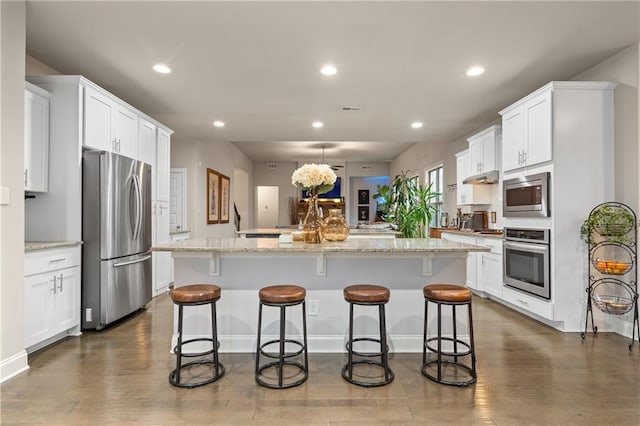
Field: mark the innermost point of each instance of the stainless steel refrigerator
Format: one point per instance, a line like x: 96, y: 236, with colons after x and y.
x: 116, y: 235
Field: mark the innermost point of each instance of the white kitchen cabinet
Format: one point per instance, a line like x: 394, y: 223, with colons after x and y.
x: 51, y: 295
x: 109, y: 125
x: 36, y: 138
x: 467, y: 193
x: 483, y: 150
x: 147, y: 143
x: 163, y: 166
x: 490, y: 267
x: 527, y: 131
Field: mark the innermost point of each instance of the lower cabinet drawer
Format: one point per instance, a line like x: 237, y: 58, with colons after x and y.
x: 531, y: 304
x: 40, y: 261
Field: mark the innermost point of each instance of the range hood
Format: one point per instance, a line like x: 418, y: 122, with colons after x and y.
x: 483, y: 178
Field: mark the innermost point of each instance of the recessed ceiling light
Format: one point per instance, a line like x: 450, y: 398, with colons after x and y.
x: 416, y: 125
x: 329, y: 70
x: 317, y: 124
x: 475, y: 71
x: 161, y: 68
x: 218, y: 123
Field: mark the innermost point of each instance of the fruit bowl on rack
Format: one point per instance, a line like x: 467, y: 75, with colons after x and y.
x: 617, y: 305
x: 612, y: 267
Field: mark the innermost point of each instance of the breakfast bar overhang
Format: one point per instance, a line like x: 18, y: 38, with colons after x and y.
x: 241, y: 266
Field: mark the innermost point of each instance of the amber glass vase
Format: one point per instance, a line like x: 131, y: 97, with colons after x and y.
x: 334, y: 227
x: 312, y: 225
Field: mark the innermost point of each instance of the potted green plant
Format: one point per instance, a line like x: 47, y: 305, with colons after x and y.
x: 407, y: 204
x: 612, y: 221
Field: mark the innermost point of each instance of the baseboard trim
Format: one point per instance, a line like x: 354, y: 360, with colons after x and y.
x: 14, y: 365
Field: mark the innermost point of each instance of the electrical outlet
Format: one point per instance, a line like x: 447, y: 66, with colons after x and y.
x: 314, y: 307
x: 5, y: 195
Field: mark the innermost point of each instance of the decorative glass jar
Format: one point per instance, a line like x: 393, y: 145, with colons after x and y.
x: 334, y: 227
x: 312, y: 225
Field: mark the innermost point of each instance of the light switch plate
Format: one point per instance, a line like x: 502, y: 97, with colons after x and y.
x: 5, y: 195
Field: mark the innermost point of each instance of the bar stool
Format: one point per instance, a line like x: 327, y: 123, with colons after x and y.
x: 194, y: 295
x: 367, y: 295
x: 460, y: 374
x: 282, y: 296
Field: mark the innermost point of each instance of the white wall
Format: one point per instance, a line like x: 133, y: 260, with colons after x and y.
x: 277, y: 174
x: 623, y: 68
x: 13, y: 357
x: 196, y: 157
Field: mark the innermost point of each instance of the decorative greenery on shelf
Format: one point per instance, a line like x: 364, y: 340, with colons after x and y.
x: 407, y: 204
x: 612, y: 221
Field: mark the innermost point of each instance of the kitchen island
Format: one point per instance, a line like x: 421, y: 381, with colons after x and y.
x: 241, y: 266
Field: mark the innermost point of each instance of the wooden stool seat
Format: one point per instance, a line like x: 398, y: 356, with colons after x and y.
x: 282, y: 294
x: 366, y: 293
x: 195, y: 293
x: 447, y: 293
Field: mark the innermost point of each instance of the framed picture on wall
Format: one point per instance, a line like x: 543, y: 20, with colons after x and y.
x: 213, y: 196
x: 225, y: 185
x: 363, y: 213
x: 363, y: 196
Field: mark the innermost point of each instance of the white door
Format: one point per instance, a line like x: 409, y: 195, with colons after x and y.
x: 267, y: 206
x: 176, y: 200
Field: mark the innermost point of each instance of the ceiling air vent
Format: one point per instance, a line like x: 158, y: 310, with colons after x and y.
x: 351, y: 108
x: 272, y: 166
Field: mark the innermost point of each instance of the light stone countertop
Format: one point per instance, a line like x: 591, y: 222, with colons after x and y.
x: 41, y: 245
x: 279, y: 231
x: 473, y: 233
x: 367, y: 245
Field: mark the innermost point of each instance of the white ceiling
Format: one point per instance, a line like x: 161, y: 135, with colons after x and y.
x: 255, y: 65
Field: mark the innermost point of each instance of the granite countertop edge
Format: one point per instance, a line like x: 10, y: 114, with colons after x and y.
x: 41, y: 245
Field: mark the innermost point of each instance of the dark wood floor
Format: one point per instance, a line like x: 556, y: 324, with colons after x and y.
x: 528, y: 374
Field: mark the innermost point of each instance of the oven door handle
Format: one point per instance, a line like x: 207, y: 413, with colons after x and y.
x: 535, y: 248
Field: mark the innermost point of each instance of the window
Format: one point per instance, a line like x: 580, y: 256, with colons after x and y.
x: 435, y: 178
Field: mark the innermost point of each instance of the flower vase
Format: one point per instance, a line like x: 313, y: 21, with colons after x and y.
x: 334, y: 227
x: 312, y: 225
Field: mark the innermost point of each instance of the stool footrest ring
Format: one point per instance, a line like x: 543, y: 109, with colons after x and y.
x: 202, y: 339
x: 277, y: 355
x: 349, y: 347
x: 449, y: 339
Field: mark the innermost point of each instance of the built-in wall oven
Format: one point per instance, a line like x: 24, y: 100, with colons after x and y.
x: 526, y: 260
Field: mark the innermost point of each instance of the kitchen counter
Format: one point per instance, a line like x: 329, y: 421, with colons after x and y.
x: 41, y: 245
x: 241, y: 266
x: 490, y: 234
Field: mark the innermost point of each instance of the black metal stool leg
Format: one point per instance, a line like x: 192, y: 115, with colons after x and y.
x: 178, y: 349
x: 350, y: 341
x: 383, y: 342
x: 258, y: 343
x: 472, y: 345
x: 439, y: 342
x: 304, y: 338
x: 424, y: 338
x: 282, y: 335
x: 455, y: 333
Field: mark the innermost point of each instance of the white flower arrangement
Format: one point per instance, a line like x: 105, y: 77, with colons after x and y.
x: 314, y: 178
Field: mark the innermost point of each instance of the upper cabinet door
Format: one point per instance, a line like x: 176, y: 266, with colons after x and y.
x: 538, y: 118
x: 36, y: 142
x: 125, y: 131
x: 513, y: 135
x: 98, y: 121
x: 147, y: 143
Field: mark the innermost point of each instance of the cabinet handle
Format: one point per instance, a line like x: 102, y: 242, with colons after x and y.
x: 524, y: 158
x: 53, y: 289
x: 25, y: 177
x: 523, y: 302
x: 62, y: 259
x: 60, y: 286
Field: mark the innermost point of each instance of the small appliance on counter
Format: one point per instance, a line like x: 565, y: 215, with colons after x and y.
x: 479, y: 220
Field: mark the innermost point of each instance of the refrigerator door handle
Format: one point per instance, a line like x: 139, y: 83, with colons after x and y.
x: 131, y: 262
x: 136, y: 229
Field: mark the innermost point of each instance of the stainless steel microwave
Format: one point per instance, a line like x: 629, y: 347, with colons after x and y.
x: 526, y: 196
